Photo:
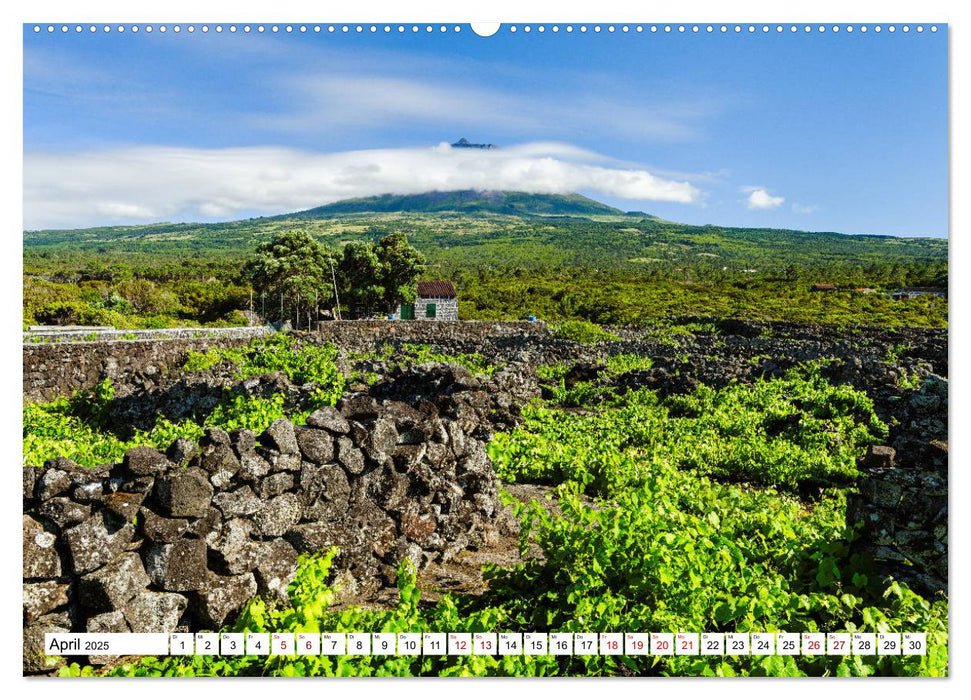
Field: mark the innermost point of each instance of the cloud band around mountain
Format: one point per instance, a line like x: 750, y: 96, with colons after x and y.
x: 150, y: 184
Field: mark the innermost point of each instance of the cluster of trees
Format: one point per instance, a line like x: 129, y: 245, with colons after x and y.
x: 307, y: 277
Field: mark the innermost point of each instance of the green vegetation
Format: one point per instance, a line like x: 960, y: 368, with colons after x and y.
x: 783, y: 433
x: 682, y: 513
x: 626, y: 362
x: 78, y: 427
x: 580, y: 331
x: 469, y: 202
x: 553, y: 257
x: 294, y: 268
x: 301, y: 362
x: 73, y: 428
x: 410, y: 354
x: 719, y: 510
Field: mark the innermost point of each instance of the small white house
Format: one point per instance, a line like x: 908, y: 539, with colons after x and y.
x: 437, y: 301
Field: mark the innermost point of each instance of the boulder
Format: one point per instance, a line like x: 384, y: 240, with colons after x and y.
x: 184, y: 494
x: 41, y: 598
x: 327, y: 480
x: 180, y: 566
x: 234, y: 549
x: 382, y: 438
x: 316, y: 536
x: 181, y: 451
x: 253, y: 467
x: 106, y: 623
x: 145, y: 461
x: 214, y: 436
x: 88, y: 492
x: 350, y: 456
x: 52, y: 482
x: 139, y: 484
x: 124, y: 505
x: 155, y: 612
x: 275, y: 571
x: 358, y: 408
x: 416, y: 526
x: 329, y: 419
x: 157, y: 528
x: 233, y: 504
x: 405, y: 457
x: 879, y: 457
x: 29, y: 479
x: 316, y: 446
x: 200, y: 528
x: 219, y: 459
x: 96, y: 541
x: 40, y: 555
x: 278, y: 515
x: 64, y: 512
x: 403, y: 415
x: 221, y: 596
x: 35, y: 658
x: 280, y: 436
x: 113, y: 585
x: 275, y: 484
x: 243, y: 440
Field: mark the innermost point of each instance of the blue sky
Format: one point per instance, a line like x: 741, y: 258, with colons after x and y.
x: 839, y: 132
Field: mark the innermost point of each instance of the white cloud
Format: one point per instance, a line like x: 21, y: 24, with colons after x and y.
x: 804, y: 208
x: 759, y: 198
x: 149, y: 184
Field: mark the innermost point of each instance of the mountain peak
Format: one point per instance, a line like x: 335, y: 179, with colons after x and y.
x: 465, y: 143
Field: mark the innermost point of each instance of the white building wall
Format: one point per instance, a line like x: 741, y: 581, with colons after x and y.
x: 446, y: 309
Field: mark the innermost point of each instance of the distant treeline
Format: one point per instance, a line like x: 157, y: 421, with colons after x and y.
x: 616, y: 270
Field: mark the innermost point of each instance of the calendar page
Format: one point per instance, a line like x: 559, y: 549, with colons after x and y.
x: 543, y: 349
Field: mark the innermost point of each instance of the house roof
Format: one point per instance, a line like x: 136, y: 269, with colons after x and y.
x: 436, y: 288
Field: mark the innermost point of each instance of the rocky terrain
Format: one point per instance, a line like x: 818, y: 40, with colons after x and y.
x: 180, y: 540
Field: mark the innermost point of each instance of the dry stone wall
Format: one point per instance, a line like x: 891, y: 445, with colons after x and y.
x: 181, y: 540
x: 60, y: 369
x: 367, y: 333
x: 901, y: 510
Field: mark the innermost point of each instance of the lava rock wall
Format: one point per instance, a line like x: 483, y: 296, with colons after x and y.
x: 180, y: 540
x: 61, y: 368
x: 901, y: 509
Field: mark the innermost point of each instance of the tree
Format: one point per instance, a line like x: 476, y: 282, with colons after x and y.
x: 376, y: 278
x: 362, y: 275
x: 402, y: 266
x: 295, y: 266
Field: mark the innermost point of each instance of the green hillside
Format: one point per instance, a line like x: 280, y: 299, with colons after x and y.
x: 469, y: 228
x: 467, y: 202
x: 555, y: 256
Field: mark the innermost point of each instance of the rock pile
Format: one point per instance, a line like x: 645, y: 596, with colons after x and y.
x: 901, y: 509
x: 180, y: 540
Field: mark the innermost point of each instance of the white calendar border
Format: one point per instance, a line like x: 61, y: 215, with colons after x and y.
x: 507, y: 10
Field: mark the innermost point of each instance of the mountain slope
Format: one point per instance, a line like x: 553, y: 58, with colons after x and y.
x: 506, y: 229
x: 466, y: 202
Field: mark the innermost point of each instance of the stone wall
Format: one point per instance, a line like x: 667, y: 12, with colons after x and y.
x: 361, y: 334
x: 180, y: 540
x: 75, y: 335
x: 60, y: 369
x: 901, y: 509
